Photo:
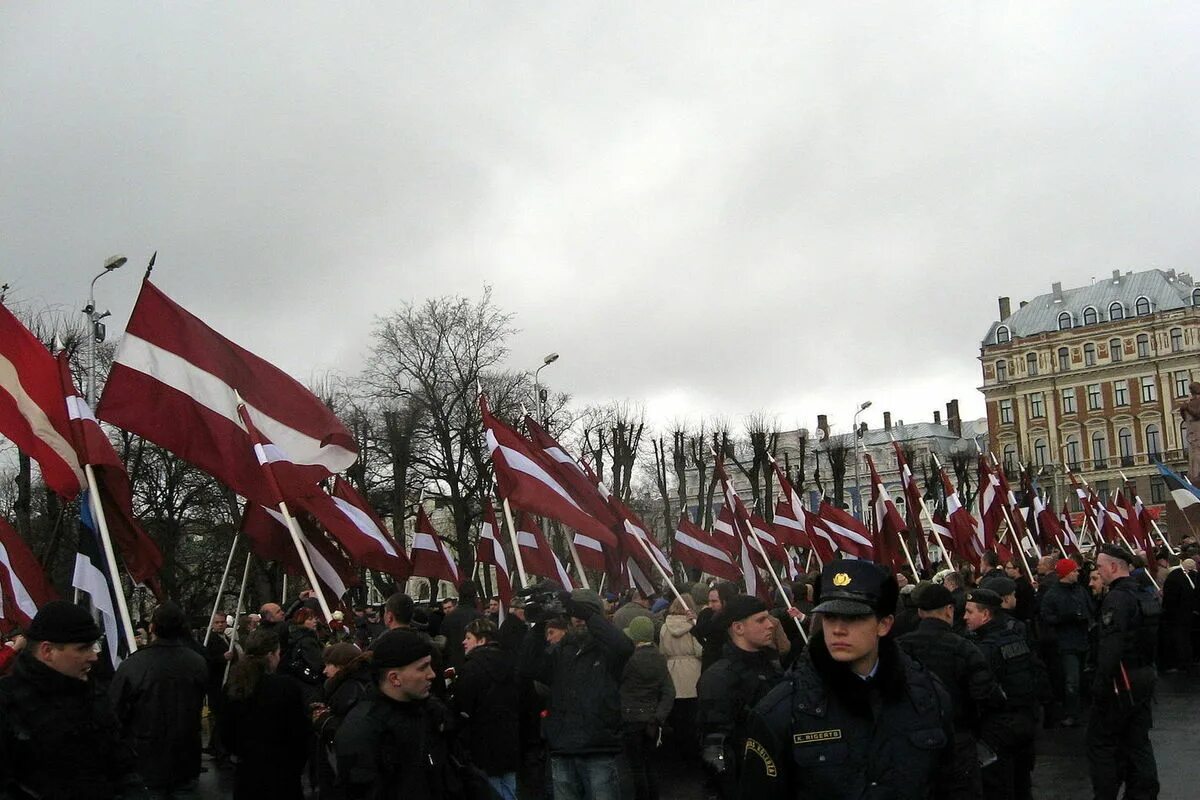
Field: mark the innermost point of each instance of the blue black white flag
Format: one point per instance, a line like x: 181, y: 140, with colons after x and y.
x: 1183, y: 491
x: 92, y: 576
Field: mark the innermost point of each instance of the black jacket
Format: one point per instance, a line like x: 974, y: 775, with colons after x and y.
x: 59, y: 737
x: 647, y: 691
x: 454, y: 628
x: 388, y: 750
x: 827, y: 733
x: 583, y: 672
x: 1129, y: 617
x: 158, y: 693
x: 961, y: 667
x: 1012, y: 662
x: 1179, y: 598
x: 340, y: 694
x: 1065, y: 616
x: 486, y: 700
x: 712, y: 635
x: 268, y: 732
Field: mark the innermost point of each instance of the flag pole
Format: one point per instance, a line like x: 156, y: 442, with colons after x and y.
x: 1120, y: 533
x: 1008, y: 518
x: 1158, y: 530
x: 237, y: 613
x: 220, y: 589
x: 512, y: 536
x: 778, y: 584
x: 932, y: 525
x: 666, y: 578
x: 113, y: 574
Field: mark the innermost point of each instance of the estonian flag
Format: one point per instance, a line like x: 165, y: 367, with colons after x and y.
x: 92, y: 576
x: 1183, y: 491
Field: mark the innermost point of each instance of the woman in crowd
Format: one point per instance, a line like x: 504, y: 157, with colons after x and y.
x: 347, y: 681
x: 683, y: 652
x: 484, y: 696
x: 264, y: 724
x: 303, y: 660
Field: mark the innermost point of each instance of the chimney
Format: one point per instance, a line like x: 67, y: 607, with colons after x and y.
x: 899, y: 423
x: 1056, y: 290
x: 953, y: 421
x: 1005, y: 308
x: 1116, y: 277
x: 887, y: 420
x: 1024, y: 303
x: 822, y: 427
x: 937, y: 418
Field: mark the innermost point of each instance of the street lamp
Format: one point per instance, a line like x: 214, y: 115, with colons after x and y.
x: 857, y: 490
x: 94, y: 322
x: 537, y: 389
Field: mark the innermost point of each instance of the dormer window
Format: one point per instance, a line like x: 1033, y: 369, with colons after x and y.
x: 1116, y: 311
x: 1003, y: 335
x: 1064, y: 321
x: 1142, y: 307
x: 1196, y: 297
x: 1090, y: 315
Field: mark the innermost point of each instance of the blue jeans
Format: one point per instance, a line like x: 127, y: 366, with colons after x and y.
x: 1072, y: 672
x: 505, y: 786
x: 585, y: 777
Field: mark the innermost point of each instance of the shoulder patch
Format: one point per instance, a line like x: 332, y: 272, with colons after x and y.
x: 757, y: 749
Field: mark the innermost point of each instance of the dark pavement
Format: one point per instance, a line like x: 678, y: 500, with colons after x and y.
x: 1061, y: 772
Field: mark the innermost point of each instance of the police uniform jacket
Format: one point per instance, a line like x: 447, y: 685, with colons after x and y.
x: 961, y: 667
x: 730, y: 689
x: 827, y: 733
x: 59, y: 737
x: 1011, y: 661
x: 1128, y: 637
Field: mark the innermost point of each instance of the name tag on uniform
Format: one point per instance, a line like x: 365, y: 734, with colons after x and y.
x: 812, y: 737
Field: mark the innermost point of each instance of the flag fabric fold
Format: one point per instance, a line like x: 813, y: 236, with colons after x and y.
x: 490, y: 551
x: 694, y: 548
x: 887, y: 525
x: 846, y: 530
x: 350, y: 520
x: 24, y: 587
x: 431, y: 556
x: 92, y: 575
x: 536, y: 553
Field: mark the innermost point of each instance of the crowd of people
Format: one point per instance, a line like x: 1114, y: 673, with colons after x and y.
x: 854, y: 682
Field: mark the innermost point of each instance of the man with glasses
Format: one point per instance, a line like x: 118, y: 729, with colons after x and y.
x: 59, y: 736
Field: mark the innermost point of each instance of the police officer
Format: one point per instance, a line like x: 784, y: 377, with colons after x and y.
x: 966, y: 675
x: 1118, y: 734
x: 727, y: 690
x: 856, y: 717
x: 1008, y: 731
x: 59, y: 736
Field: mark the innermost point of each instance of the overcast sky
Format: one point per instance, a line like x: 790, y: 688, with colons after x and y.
x: 752, y: 207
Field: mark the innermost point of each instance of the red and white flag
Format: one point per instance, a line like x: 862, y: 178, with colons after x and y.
x: 914, y: 505
x: 23, y: 585
x: 1132, y: 522
x: 1093, y: 509
x: 536, y: 553
x: 695, y: 548
x: 490, y: 551
x: 887, y: 524
x: 990, y: 501
x: 740, y: 519
x: 847, y: 532
x: 33, y: 412
x: 960, y: 522
x: 268, y: 536
x: 431, y: 556
x: 175, y: 383
x: 634, y: 541
x: 1068, y: 529
x: 141, y: 555
x: 361, y: 533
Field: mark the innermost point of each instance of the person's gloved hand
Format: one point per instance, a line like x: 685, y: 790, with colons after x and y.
x: 574, y: 609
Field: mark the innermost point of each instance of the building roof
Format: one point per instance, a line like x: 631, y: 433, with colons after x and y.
x: 1165, y: 290
x: 878, y: 437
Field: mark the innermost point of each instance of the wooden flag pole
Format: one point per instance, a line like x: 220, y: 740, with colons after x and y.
x: 578, y: 562
x: 113, y: 574
x: 933, y: 527
x: 1100, y: 538
x: 237, y: 612
x: 220, y: 589
x: 512, y: 535
x: 778, y: 584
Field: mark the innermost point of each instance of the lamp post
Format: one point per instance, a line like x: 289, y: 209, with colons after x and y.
x: 537, y: 388
x: 97, y: 329
x: 857, y: 490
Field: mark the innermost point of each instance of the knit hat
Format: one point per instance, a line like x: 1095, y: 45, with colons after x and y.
x: 641, y: 629
x: 589, y: 599
x: 61, y: 622
x: 932, y: 596
x: 985, y: 597
x: 660, y: 604
x: 741, y: 607
x: 1000, y: 584
x: 399, y: 648
x: 1065, y: 567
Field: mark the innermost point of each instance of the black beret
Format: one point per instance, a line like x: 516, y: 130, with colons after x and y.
x: 932, y: 596
x: 60, y: 622
x: 399, y: 648
x: 1000, y: 584
x: 985, y: 597
x: 1118, y: 552
x: 742, y: 606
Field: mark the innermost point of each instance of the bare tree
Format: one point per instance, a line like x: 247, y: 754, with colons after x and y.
x: 679, y: 462
x: 837, y: 452
x: 660, y: 480
x: 763, y: 433
x: 962, y: 460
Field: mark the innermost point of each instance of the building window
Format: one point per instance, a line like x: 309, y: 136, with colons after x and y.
x: 1102, y: 491
x: 1143, y: 345
x: 1181, y: 384
x: 1064, y: 321
x: 1116, y: 311
x: 1010, y: 458
x: 1073, y: 452
x: 1115, y: 348
x: 1093, y: 395
x: 1039, y: 452
x: 1031, y: 364
x: 1120, y: 393
x: 1153, y: 441
x: 1006, y: 412
x: 1196, y: 297
x: 1142, y: 307
x: 1149, y: 389
x: 1064, y: 359
x: 1089, y: 355
x: 1003, y: 336
x: 1176, y: 339
x: 1158, y: 490
x: 1001, y: 371
x: 1125, y: 446
x: 1068, y: 401
x: 1090, y: 316
x: 1099, y: 450
x: 1037, y: 405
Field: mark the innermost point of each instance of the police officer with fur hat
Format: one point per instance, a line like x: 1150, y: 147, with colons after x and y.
x: 1118, y: 735
x: 729, y: 689
x: 59, y: 736
x: 856, y: 717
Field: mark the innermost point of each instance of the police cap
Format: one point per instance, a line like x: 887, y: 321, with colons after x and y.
x: 857, y: 588
x: 985, y: 597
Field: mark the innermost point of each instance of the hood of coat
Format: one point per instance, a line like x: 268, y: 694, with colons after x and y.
x: 677, y: 625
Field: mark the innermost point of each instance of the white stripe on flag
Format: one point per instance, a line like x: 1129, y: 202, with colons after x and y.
x: 35, y: 417
x: 88, y: 578
x: 362, y: 520
x: 522, y: 463
x: 692, y: 543
x: 23, y: 598
x: 586, y: 541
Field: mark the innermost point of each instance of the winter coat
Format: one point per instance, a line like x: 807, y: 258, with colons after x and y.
x: 158, y: 693
x: 583, y: 672
x: 268, y: 732
x: 486, y: 701
x: 303, y: 662
x: 454, y: 628
x: 683, y: 652
x: 59, y: 737
x: 713, y: 634
x: 631, y: 611
x: 1066, y: 615
x: 647, y: 692
x: 341, y: 693
x: 388, y: 750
